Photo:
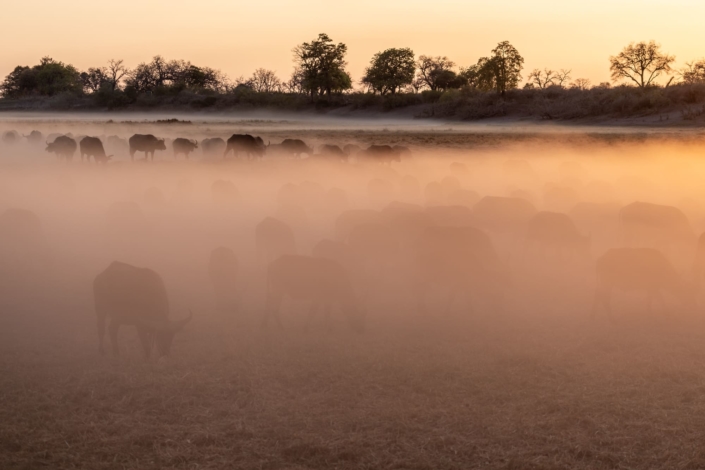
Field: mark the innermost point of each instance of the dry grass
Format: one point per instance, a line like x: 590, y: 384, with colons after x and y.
x: 501, y: 393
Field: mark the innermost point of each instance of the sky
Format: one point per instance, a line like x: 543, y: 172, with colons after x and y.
x: 238, y: 37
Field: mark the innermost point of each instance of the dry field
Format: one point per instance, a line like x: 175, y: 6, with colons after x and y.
x: 537, y: 384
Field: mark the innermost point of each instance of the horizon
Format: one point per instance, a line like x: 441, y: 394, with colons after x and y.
x: 237, y: 49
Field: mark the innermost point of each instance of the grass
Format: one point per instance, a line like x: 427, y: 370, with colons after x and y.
x: 494, y: 393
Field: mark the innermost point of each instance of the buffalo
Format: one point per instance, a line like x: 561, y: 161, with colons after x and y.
x: 184, y: 146
x: 558, y: 231
x: 323, y: 282
x: 127, y: 295
x: 274, y: 238
x: 223, y: 272
x: 382, y: 154
x: 93, y: 147
x: 10, y: 137
x: 63, y: 147
x: 34, y: 137
x: 253, y: 147
x: 295, y: 147
x: 638, y: 269
x: 213, y: 146
x: 145, y: 143
x: 655, y: 225
x: 333, y: 152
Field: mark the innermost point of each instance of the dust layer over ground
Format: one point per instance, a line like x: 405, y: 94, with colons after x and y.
x: 538, y: 384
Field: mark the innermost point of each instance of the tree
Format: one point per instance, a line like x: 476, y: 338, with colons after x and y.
x: 265, y: 81
x: 581, y: 84
x: 541, y: 79
x: 432, y: 69
x: 47, y: 79
x: 693, y: 72
x: 641, y: 63
x: 175, y: 74
x: 505, y: 64
x: 322, y: 66
x: 390, y: 70
x: 115, y: 71
x: 562, y: 77
x: 94, y: 79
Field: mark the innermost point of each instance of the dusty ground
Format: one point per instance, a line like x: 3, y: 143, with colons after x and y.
x: 477, y: 393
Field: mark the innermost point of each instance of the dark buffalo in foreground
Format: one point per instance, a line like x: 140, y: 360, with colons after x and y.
x: 34, y: 137
x: 147, y: 144
x: 295, y: 147
x: 323, y: 282
x: 214, y: 146
x: 127, y: 295
x: 382, y: 154
x: 183, y: 146
x: 253, y: 147
x: 93, y: 147
x: 63, y: 147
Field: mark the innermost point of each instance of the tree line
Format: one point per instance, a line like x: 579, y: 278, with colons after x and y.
x: 320, y: 72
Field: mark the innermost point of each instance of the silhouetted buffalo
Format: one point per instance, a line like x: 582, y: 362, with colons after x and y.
x: 34, y: 137
x: 147, y: 144
x: 93, y: 147
x: 134, y: 296
x: 223, y: 271
x: 333, y: 151
x: 253, y: 147
x: 213, y: 146
x: 274, y: 238
x: 63, y: 147
x: 382, y: 154
x: 295, y: 147
x: 638, y: 269
x: 10, y: 137
x: 558, y: 231
x: 184, y: 146
x: 323, y: 282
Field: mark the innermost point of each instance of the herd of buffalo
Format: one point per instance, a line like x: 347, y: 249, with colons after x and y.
x: 456, y: 243
x: 65, y: 147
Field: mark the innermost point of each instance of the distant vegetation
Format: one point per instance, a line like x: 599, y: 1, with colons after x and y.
x: 395, y: 78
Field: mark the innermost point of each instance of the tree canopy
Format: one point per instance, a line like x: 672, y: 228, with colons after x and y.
x: 390, y: 70
x: 321, y: 66
x: 48, y: 78
x: 641, y: 63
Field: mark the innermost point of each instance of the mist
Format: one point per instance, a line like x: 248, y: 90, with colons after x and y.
x: 484, y: 335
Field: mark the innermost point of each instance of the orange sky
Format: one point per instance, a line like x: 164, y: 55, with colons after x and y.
x: 237, y: 37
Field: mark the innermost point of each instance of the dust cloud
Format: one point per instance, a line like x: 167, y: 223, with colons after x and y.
x: 484, y: 289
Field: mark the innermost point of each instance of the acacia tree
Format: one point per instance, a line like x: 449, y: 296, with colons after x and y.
x: 390, y: 70
x: 501, y: 71
x: 433, y: 71
x: 321, y: 65
x: 642, y: 63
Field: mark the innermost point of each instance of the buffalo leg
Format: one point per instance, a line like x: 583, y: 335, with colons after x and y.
x: 101, y: 333
x: 113, y: 331
x: 272, y: 309
x: 146, y: 338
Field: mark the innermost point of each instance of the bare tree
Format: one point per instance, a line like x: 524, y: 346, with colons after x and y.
x: 581, y: 84
x: 693, y: 72
x: 115, y: 72
x: 265, y: 81
x: 542, y: 79
x: 561, y: 77
x: 642, y: 63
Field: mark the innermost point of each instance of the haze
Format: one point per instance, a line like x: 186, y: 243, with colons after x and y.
x: 238, y: 37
